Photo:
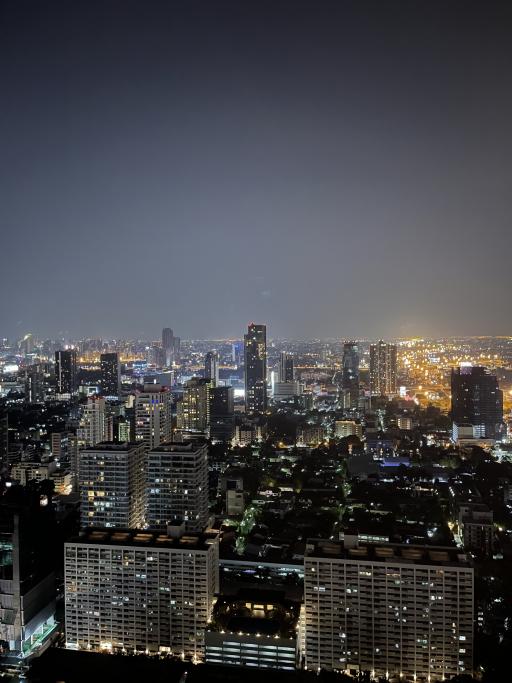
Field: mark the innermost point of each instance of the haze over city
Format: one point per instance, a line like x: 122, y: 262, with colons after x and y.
x: 330, y: 169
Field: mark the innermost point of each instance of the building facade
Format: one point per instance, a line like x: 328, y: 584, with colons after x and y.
x: 177, y: 485
x: 383, y: 369
x: 392, y: 610
x: 477, y: 401
x: 255, y: 348
x: 350, y: 373
x: 65, y: 373
x: 153, y: 418
x: 111, y: 484
x: 110, y: 375
x: 140, y: 591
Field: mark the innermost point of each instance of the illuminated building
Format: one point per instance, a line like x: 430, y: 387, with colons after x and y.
x: 393, y: 610
x: 177, y: 485
x: 477, y: 401
x: 171, y: 346
x: 211, y: 368
x: 4, y: 436
x: 286, y: 367
x: 153, y: 424
x: 383, y: 369
x: 93, y: 424
x: 350, y: 373
x: 193, y: 409
x: 27, y: 585
x: 344, y: 428
x: 111, y: 484
x: 140, y: 591
x: 65, y: 373
x: 110, y: 375
x: 255, y: 345
x: 34, y: 389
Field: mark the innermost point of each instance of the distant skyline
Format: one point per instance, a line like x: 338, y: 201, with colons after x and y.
x: 330, y: 169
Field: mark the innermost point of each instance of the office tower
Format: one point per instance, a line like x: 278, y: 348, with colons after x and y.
x: 211, y: 368
x: 171, y: 346
x: 193, y: 409
x: 65, y: 372
x: 286, y: 368
x: 383, y: 369
x: 477, y: 401
x: 110, y: 375
x: 33, y: 379
x: 350, y: 373
x: 153, y: 415
x: 221, y: 414
x: 93, y: 424
x: 177, y: 485
x: 140, y: 591
x: 27, y: 554
x: 394, y: 610
x: 4, y: 437
x: 111, y: 484
x: 256, y: 369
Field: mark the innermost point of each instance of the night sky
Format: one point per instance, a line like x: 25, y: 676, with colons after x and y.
x: 331, y: 169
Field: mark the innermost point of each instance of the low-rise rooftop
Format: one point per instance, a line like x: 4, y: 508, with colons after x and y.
x: 145, y: 538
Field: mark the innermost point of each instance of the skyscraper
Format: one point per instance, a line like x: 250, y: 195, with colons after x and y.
x: 153, y: 416
x: 221, y: 414
x: 477, y: 401
x: 93, y: 424
x: 177, y: 485
x: 255, y: 344
x: 350, y: 373
x: 286, y: 368
x: 193, y: 409
x: 65, y: 372
x: 383, y: 369
x: 4, y: 437
x: 211, y: 367
x: 170, y: 345
x: 110, y: 375
x: 111, y: 483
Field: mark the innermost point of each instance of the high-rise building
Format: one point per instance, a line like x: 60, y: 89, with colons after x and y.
x: 286, y: 368
x: 153, y: 418
x: 4, y: 437
x: 65, y: 372
x: 383, y: 369
x: 171, y: 346
x: 211, y: 368
x: 111, y: 484
x: 350, y: 373
x: 110, y: 375
x: 221, y: 414
x: 177, y: 485
x: 140, y: 591
x: 393, y: 610
x: 193, y: 409
x: 93, y: 424
x: 27, y: 580
x: 255, y: 344
x: 34, y: 389
x: 477, y: 401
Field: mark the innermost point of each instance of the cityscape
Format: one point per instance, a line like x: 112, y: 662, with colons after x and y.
x: 298, y: 506
x: 255, y: 341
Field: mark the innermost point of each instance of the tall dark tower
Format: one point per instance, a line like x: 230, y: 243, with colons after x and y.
x: 286, y: 367
x: 477, y: 400
x: 383, y: 369
x: 211, y: 367
x: 255, y: 344
x: 65, y: 371
x: 110, y: 375
x: 168, y: 345
x: 350, y: 374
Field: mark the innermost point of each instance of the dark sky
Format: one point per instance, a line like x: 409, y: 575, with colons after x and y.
x: 327, y: 168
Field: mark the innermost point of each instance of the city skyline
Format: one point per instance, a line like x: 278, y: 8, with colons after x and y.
x: 342, y: 168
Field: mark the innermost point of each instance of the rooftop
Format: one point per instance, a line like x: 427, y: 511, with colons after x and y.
x: 113, y: 446
x: 396, y: 553
x: 178, y: 447
x: 145, y: 538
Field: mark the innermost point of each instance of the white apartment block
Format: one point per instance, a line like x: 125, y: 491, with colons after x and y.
x: 153, y: 424
x: 177, y: 485
x: 394, y: 610
x: 139, y: 591
x: 111, y: 485
x: 93, y: 424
